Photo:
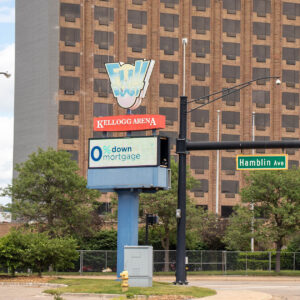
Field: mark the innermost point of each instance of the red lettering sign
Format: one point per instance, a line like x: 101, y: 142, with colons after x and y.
x: 129, y: 123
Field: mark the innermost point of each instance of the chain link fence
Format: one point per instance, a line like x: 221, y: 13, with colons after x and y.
x: 197, y: 260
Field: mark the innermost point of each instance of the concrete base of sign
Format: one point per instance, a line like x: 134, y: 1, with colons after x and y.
x: 111, y: 179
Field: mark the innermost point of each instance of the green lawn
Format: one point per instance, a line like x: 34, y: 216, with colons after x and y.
x: 104, y: 286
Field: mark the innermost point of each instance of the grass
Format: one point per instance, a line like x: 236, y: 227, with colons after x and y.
x: 104, y: 286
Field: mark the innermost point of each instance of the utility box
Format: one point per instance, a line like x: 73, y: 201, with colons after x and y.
x: 138, y: 261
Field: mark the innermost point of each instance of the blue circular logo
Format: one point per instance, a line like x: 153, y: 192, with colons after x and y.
x: 96, y: 155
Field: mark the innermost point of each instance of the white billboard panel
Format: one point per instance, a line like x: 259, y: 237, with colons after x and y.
x: 123, y: 152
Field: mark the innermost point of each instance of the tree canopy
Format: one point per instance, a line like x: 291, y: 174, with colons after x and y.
x: 49, y: 193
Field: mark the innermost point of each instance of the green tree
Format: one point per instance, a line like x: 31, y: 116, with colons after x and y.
x: 164, y: 204
x: 101, y: 240
x: 50, y: 194
x: 278, y: 195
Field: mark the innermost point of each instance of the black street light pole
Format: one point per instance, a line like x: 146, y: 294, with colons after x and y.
x: 182, y: 146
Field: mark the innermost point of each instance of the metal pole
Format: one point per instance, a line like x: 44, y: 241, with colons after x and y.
x: 146, y: 235
x: 81, y: 262
x: 184, y: 42
x: 218, y: 163
x: 181, y: 220
x: 252, y: 205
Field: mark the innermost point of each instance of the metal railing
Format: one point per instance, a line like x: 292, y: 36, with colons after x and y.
x: 197, y: 260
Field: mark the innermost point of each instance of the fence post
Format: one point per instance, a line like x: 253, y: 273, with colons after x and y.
x: 106, y: 259
x: 225, y: 257
x: 270, y: 261
x: 294, y: 262
x: 81, y: 262
x: 201, y: 261
x: 246, y: 262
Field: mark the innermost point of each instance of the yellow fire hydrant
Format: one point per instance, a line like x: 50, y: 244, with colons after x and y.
x: 124, y: 277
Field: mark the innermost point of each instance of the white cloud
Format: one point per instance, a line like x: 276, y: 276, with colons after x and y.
x: 7, y: 14
x: 7, y: 64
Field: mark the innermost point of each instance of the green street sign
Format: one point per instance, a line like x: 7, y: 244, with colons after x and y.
x: 262, y: 162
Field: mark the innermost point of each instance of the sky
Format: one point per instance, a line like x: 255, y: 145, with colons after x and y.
x: 7, y: 60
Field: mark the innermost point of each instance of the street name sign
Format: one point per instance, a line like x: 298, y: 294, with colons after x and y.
x: 262, y: 162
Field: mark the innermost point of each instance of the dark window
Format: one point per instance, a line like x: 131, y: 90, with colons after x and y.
x: 231, y: 73
x: 260, y: 73
x: 105, y: 15
x: 198, y: 92
x: 204, y: 207
x: 261, y: 29
x: 199, y: 162
x: 291, y: 32
x: 137, y: 18
x: 70, y: 11
x: 290, y: 151
x: 139, y: 111
x: 200, y: 47
x: 290, y: 121
x: 201, y: 24
x: 231, y: 27
x: 201, y: 5
x: 230, y: 118
x: 169, y: 45
x: 291, y: 10
x: 74, y: 154
x: 291, y: 55
x: 261, y: 98
x: 101, y: 60
x: 102, y: 87
x: 200, y: 117
x: 104, y: 208
x: 137, y: 42
x: 104, y: 39
x: 103, y: 109
x: 68, y: 132
x: 172, y: 135
x: 232, y: 98
x: 70, y: 59
x: 69, y: 35
x: 229, y: 186
x: 226, y: 211
x: 169, y: 21
x: 262, y: 7
x: 293, y: 164
x: 171, y: 113
x: 69, y: 107
x: 199, y: 137
x: 201, y: 186
x: 290, y: 100
x: 232, y: 5
x: 69, y: 84
x: 101, y: 134
x: 262, y: 121
x: 228, y: 163
x: 131, y: 60
x: 200, y: 71
x: 169, y: 3
x: 290, y: 76
x: 230, y: 137
x: 169, y: 68
x: 168, y: 90
x: 231, y: 50
x: 261, y: 52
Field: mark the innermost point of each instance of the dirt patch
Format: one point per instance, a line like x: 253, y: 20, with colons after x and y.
x: 25, y: 279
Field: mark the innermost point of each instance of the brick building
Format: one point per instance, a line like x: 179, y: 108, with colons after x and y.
x: 61, y: 81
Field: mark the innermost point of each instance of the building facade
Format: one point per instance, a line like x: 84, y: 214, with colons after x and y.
x: 61, y: 81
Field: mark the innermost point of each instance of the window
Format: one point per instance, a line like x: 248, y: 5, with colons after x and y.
x: 104, y: 39
x: 228, y: 164
x: 290, y: 77
x: 200, y: 71
x: 105, y: 15
x: 261, y: 52
x: 68, y: 132
x: 169, y: 22
x: 260, y: 73
x: 230, y: 137
x: 290, y: 100
x: 201, y: 5
x: 231, y: 50
x: 261, y: 98
x: 200, y: 117
x: 137, y: 42
x: 230, y: 186
x: 199, y: 136
x: 290, y: 32
x: 168, y: 68
x: 169, y: 45
x: 200, y: 24
x: 169, y: 3
x: 230, y: 118
x: 137, y: 18
x: 262, y: 7
x: 102, y: 87
x: 262, y: 121
x: 139, y: 111
x: 231, y: 73
x: 200, y: 47
x: 69, y: 107
x: 231, y: 27
x: 103, y: 109
x: 70, y: 36
x: 290, y: 151
x: 172, y: 135
x: 291, y: 55
x: 70, y: 60
x: 69, y: 84
x: 232, y: 98
x: 261, y: 30
x: 232, y: 6
x: 168, y: 90
x: 198, y: 92
x: 261, y: 138
x: 171, y: 114
x: 70, y: 11
x: 104, y: 208
x: 201, y: 186
x: 74, y: 154
x: 291, y: 10
x: 100, y: 61
x: 226, y: 211
x: 293, y: 164
x: 199, y: 162
x: 290, y: 122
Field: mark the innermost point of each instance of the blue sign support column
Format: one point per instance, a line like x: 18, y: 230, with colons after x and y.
x: 128, y: 212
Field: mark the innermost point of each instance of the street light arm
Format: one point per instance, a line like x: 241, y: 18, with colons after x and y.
x: 233, y: 88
